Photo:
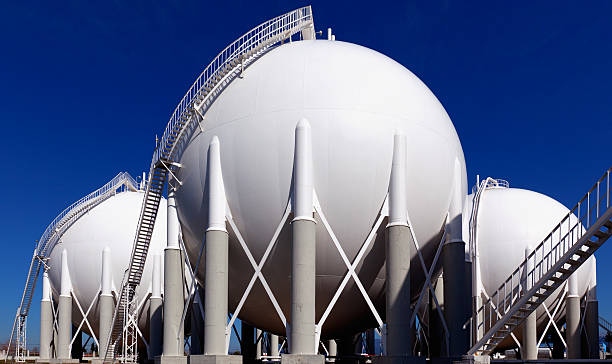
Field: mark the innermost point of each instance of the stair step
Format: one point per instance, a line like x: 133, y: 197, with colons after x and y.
x: 582, y: 253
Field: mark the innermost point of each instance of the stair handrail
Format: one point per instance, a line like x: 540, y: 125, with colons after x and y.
x: 579, y: 219
x: 605, y: 324
x: 56, y: 229
x: 269, y: 31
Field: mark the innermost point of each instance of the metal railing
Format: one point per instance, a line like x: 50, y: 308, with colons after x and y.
x: 547, y: 256
x: 605, y: 324
x: 51, y: 235
x: 267, y: 33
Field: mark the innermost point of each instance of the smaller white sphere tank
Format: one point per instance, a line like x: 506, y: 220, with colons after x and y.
x: 509, y: 220
x: 111, y: 224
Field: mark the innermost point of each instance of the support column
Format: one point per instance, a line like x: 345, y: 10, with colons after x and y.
x: 106, y: 302
x: 437, y: 338
x: 399, y: 243
x: 572, y: 317
x: 247, y: 335
x: 302, y: 345
x: 258, y: 346
x: 46, y: 319
x: 529, y: 345
x: 64, y: 318
x: 76, y: 351
x: 370, y: 346
x: 332, y: 348
x: 456, y: 311
x: 591, y: 319
x: 156, y: 325
x: 216, y: 266
x: 173, y: 342
x: 197, y: 323
x: 273, y: 345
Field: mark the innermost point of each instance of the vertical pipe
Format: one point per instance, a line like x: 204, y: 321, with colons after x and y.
x: 107, y: 306
x: 46, y: 319
x: 456, y: 311
x: 216, y: 258
x: 303, y: 274
x: 155, y: 309
x: 591, y: 320
x: 529, y: 347
x: 572, y: 317
x: 398, y: 245
x: 64, y: 319
x: 173, y: 283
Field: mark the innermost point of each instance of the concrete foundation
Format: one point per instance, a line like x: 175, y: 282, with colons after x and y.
x: 64, y: 323
x: 302, y: 359
x: 273, y: 345
x: 572, y: 318
x: 214, y: 359
x: 399, y: 360
x: 215, y: 292
x: 156, y: 325
x: 591, y: 325
x: 46, y: 320
x: 174, y: 359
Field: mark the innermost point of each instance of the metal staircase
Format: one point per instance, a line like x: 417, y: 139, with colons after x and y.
x: 605, y: 324
x: 49, y: 238
x: 579, y: 234
x: 188, y: 117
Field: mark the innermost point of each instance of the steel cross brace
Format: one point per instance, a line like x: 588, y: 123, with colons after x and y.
x: 257, y: 270
x: 85, y: 319
x: 551, y: 319
x: 499, y: 316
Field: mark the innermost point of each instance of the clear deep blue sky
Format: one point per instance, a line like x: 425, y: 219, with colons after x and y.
x: 84, y: 88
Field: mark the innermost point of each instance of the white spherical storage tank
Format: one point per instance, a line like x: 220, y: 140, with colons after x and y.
x: 510, y: 220
x: 355, y: 100
x: 111, y: 224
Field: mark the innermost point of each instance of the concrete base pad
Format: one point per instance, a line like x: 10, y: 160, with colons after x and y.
x: 214, y: 359
x: 302, y: 359
x: 399, y: 360
x: 59, y: 361
x: 163, y: 359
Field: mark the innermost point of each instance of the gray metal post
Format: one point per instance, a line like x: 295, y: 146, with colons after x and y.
x: 303, y: 247
x: 46, y: 319
x: 273, y: 345
x: 64, y: 318
x: 173, y: 285
x: 156, y: 325
x: 106, y: 301
x: 572, y: 317
x: 529, y: 346
x: 399, y: 242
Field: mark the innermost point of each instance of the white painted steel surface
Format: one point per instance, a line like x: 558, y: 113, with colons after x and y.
x: 110, y: 224
x: 355, y: 100
x: 509, y: 220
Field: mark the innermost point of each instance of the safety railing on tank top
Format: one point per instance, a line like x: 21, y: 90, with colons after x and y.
x: 265, y: 34
x: 546, y: 255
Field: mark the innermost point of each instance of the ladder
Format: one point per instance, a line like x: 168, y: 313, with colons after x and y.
x: 579, y: 234
x: 186, y: 118
x: 49, y: 238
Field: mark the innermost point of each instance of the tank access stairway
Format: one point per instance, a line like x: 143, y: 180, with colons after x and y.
x: 51, y: 235
x: 605, y: 324
x: 186, y: 118
x: 577, y: 236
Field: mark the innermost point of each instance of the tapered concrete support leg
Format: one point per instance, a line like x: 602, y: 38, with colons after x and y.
x: 106, y: 302
x: 572, y: 317
x: 436, y: 330
x: 46, y: 319
x: 173, y: 286
x: 197, y: 324
x: 156, y: 325
x: 455, y: 312
x: 76, y: 350
x: 591, y: 319
x: 332, y: 347
x: 529, y: 346
x: 399, y: 242
x: 302, y: 346
x: 64, y: 318
x: 258, y: 344
x: 215, y: 292
x: 273, y: 345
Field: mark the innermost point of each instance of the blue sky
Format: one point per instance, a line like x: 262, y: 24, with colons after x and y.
x: 86, y: 86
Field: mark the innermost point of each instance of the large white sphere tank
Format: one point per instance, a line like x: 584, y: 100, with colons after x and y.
x: 509, y: 220
x: 111, y: 224
x: 355, y: 100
